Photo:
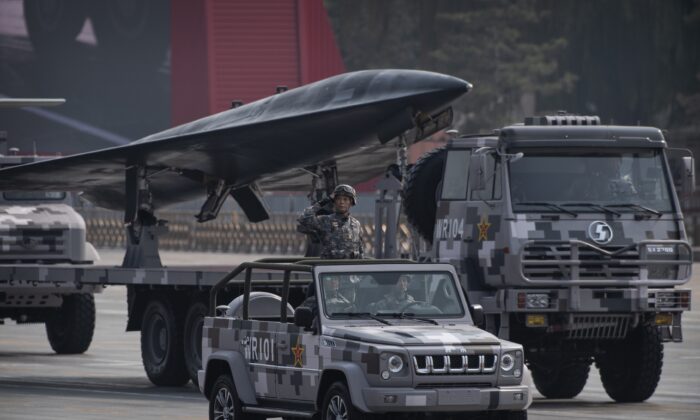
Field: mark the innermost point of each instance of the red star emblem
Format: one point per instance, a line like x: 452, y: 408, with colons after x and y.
x: 483, y: 228
x: 298, y: 350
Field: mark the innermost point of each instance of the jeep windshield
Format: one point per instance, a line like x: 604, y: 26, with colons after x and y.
x: 581, y: 181
x: 398, y: 295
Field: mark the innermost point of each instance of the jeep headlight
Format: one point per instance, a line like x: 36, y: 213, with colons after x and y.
x: 395, y: 363
x: 512, y: 363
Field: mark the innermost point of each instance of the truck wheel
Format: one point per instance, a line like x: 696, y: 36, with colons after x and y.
x: 565, y: 379
x: 630, y: 370
x: 337, y: 404
x: 223, y: 400
x: 419, y: 200
x: 161, y: 345
x: 70, y: 330
x: 193, y: 339
x: 508, y: 415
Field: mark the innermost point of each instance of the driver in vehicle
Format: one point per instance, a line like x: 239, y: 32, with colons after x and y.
x: 335, y: 301
x: 398, y: 298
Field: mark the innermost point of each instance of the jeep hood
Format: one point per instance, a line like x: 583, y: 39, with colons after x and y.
x: 412, y: 335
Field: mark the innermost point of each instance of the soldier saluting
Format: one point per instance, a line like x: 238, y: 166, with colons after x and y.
x: 339, y: 233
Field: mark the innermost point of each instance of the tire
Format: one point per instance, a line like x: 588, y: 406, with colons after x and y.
x: 337, y: 402
x: 223, y: 400
x: 70, y: 331
x: 54, y: 25
x: 631, y: 370
x: 563, y: 379
x: 161, y: 345
x: 193, y: 339
x: 420, y: 189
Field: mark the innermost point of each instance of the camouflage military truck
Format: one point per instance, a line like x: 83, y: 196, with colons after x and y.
x: 570, y: 235
x: 41, y: 227
x: 370, y: 337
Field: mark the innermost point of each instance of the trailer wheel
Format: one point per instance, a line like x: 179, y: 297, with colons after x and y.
x: 563, y: 379
x: 630, y: 370
x: 419, y: 192
x: 70, y: 330
x: 161, y: 345
x: 193, y: 339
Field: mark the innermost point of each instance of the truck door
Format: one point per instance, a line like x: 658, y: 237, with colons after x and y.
x: 451, y: 219
x: 298, y: 355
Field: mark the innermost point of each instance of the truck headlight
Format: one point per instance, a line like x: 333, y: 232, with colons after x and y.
x: 395, y: 364
x: 537, y: 301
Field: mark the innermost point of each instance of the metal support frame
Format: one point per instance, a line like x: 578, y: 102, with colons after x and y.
x: 386, y: 217
x: 142, y: 226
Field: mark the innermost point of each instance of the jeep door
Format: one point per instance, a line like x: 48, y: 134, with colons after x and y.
x: 299, y: 365
x: 258, y: 341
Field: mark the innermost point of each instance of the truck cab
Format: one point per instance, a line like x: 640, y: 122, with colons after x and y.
x: 371, y: 337
x: 570, y: 235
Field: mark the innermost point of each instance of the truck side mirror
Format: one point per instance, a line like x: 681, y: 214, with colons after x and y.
x: 688, y: 185
x: 303, y: 317
x: 478, y: 316
x: 221, y: 310
x: 682, y: 171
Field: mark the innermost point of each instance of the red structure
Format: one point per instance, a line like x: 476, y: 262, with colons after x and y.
x: 225, y: 50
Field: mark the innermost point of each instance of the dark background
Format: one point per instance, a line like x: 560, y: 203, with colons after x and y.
x: 629, y: 61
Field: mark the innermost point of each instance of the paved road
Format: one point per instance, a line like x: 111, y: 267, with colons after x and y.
x: 108, y: 381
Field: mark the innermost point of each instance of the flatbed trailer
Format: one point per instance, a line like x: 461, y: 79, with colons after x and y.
x: 167, y: 304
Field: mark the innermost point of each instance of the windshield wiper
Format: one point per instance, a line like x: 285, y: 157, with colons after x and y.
x: 409, y: 315
x: 637, y: 206
x: 604, y: 208
x: 545, y: 204
x: 361, y: 315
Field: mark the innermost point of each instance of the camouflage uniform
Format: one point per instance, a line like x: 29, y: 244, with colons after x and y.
x: 340, y: 235
x: 393, y: 302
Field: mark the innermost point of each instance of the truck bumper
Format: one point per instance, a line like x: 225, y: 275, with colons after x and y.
x: 608, y: 299
x: 382, y: 400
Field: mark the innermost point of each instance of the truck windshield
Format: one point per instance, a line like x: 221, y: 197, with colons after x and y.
x: 390, y: 294
x: 34, y: 195
x: 584, y: 182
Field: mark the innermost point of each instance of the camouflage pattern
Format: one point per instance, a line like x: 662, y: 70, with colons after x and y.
x: 501, y: 255
x: 286, y: 362
x: 340, y: 236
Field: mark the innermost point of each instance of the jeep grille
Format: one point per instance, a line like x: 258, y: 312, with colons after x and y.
x: 455, y: 363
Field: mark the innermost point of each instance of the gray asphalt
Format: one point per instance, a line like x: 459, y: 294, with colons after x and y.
x: 109, y: 382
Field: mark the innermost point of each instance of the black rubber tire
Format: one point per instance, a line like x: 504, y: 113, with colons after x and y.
x: 194, y: 320
x: 337, y: 392
x: 161, y: 345
x: 132, y: 30
x: 71, y: 329
x: 223, y: 395
x: 420, y: 189
x: 54, y: 25
x: 563, y: 379
x: 630, y: 370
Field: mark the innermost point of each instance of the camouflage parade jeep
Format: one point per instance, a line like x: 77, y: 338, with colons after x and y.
x: 389, y: 337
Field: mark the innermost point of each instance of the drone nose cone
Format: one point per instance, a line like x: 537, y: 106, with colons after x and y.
x: 431, y: 91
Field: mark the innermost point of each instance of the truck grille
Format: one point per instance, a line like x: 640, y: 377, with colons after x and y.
x: 593, y: 265
x: 455, y: 363
x: 22, y: 244
x: 586, y: 327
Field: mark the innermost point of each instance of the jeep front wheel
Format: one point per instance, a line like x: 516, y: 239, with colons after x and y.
x: 630, y: 370
x: 223, y: 400
x: 337, y: 404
